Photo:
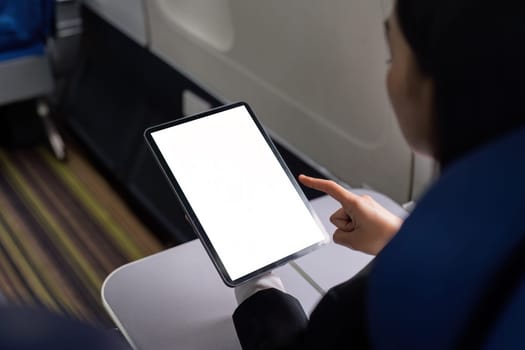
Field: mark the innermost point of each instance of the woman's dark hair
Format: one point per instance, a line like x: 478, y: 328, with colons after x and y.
x: 474, y: 50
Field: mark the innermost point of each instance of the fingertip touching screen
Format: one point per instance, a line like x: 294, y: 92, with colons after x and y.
x: 243, y: 202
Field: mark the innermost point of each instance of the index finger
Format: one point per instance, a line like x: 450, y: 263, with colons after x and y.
x: 329, y: 187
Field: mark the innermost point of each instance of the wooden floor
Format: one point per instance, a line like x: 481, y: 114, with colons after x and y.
x: 63, y: 229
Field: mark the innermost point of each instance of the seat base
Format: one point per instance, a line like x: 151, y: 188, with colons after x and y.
x: 26, y: 77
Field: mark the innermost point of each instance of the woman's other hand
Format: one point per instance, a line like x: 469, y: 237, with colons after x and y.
x: 362, y: 223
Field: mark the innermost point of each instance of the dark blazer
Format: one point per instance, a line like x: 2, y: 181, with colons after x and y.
x: 453, y: 277
x: 272, y: 319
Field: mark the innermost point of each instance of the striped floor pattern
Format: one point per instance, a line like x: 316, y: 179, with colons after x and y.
x: 62, y: 231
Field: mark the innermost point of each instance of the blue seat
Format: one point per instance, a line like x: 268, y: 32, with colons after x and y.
x: 25, y: 26
x: 25, y: 72
x: 454, y: 276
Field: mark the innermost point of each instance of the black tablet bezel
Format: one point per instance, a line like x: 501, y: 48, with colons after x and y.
x: 192, y: 217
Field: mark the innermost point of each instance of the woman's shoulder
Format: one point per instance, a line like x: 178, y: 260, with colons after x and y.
x: 428, y: 279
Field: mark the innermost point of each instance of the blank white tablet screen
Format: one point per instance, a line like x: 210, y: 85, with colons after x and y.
x: 244, y: 200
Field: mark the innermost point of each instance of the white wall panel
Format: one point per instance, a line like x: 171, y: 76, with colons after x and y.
x: 313, y: 70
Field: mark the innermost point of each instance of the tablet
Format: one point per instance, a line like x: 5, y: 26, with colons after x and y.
x: 238, y: 194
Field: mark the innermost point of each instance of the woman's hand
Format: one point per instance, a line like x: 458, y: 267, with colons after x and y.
x: 362, y: 223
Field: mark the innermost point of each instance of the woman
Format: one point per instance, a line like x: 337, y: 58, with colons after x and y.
x: 451, y: 275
